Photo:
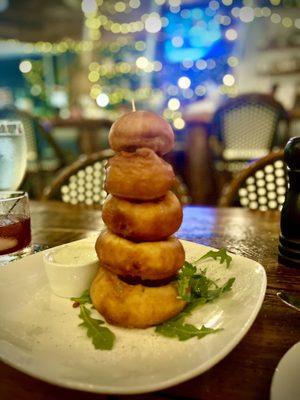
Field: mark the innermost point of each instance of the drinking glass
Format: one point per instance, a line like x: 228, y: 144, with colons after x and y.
x: 15, y: 232
x: 12, y: 154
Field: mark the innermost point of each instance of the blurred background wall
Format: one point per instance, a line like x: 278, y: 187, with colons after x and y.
x: 77, y: 64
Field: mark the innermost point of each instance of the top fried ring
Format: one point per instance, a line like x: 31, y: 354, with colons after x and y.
x: 141, y: 129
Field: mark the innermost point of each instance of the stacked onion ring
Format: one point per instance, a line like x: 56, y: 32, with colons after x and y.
x: 138, y: 255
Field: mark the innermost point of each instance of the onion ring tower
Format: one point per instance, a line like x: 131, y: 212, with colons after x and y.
x: 139, y: 257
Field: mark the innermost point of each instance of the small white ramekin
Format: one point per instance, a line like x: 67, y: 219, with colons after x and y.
x: 70, y: 279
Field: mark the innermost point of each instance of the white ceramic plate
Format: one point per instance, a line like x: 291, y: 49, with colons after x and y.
x: 39, y: 332
x: 285, y: 382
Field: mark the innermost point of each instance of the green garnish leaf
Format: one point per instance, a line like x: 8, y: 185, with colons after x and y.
x: 193, y: 285
x: 205, y: 288
x: 176, y: 327
x: 183, y: 331
x: 102, y: 337
x: 190, y: 307
x: 228, y: 285
x: 200, y: 285
x: 215, y: 254
x: 196, y: 289
x: 84, y: 298
x: 184, y: 277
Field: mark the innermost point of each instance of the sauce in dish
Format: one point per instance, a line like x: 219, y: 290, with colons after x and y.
x: 70, y: 255
x: 71, y: 268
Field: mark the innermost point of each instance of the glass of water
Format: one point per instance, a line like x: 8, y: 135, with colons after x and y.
x: 12, y: 154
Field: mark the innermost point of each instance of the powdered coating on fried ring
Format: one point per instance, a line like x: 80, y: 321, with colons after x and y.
x: 144, y: 221
x: 141, y: 175
x: 147, y: 260
x: 133, y: 306
x: 141, y: 129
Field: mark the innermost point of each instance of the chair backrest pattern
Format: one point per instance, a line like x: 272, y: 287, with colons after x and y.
x: 266, y: 189
x: 247, y: 126
x: 86, y: 186
x: 83, y: 182
x: 262, y: 185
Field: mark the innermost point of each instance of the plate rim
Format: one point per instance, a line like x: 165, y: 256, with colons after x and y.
x: 102, y: 389
x: 277, y: 370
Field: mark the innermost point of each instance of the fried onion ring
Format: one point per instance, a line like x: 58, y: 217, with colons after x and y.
x: 147, y: 260
x: 141, y: 129
x: 143, y: 220
x: 141, y: 175
x: 133, y: 306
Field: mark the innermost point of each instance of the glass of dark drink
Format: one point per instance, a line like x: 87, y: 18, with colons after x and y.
x: 15, y: 232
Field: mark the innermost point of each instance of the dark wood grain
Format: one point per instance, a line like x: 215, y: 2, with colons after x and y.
x: 247, y: 371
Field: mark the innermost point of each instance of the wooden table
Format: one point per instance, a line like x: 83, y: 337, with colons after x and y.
x: 247, y: 371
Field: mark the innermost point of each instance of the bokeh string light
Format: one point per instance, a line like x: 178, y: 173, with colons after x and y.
x: 25, y: 66
x: 120, y: 63
x: 97, y: 22
x: 186, y: 89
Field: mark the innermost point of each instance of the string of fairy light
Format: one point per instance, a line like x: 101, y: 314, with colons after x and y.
x: 153, y: 24
x: 98, y: 73
x: 246, y: 14
x: 102, y: 16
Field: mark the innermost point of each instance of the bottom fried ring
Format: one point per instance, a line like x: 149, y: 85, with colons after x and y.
x: 133, y: 306
x: 146, y: 260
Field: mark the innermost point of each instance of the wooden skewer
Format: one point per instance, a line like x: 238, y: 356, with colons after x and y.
x: 133, y: 105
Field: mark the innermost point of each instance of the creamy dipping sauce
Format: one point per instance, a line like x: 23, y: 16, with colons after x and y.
x: 71, y: 268
x: 70, y: 255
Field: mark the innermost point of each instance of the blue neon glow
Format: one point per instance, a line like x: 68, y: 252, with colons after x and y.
x: 200, y: 33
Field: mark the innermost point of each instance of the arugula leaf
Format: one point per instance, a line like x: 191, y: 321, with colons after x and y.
x: 177, y: 328
x: 188, y: 309
x: 193, y: 286
x: 215, y: 254
x: 102, y: 337
x: 183, y: 331
x: 184, y: 277
x: 84, y: 298
x: 213, y: 294
x: 201, y: 287
x: 228, y: 285
x: 196, y: 289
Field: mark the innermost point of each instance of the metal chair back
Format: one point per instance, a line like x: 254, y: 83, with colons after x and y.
x: 260, y: 186
x: 83, y: 182
x: 248, y: 128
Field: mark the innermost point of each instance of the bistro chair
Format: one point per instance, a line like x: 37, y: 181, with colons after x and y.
x: 260, y: 186
x: 83, y: 182
x: 44, y: 155
x: 248, y: 127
